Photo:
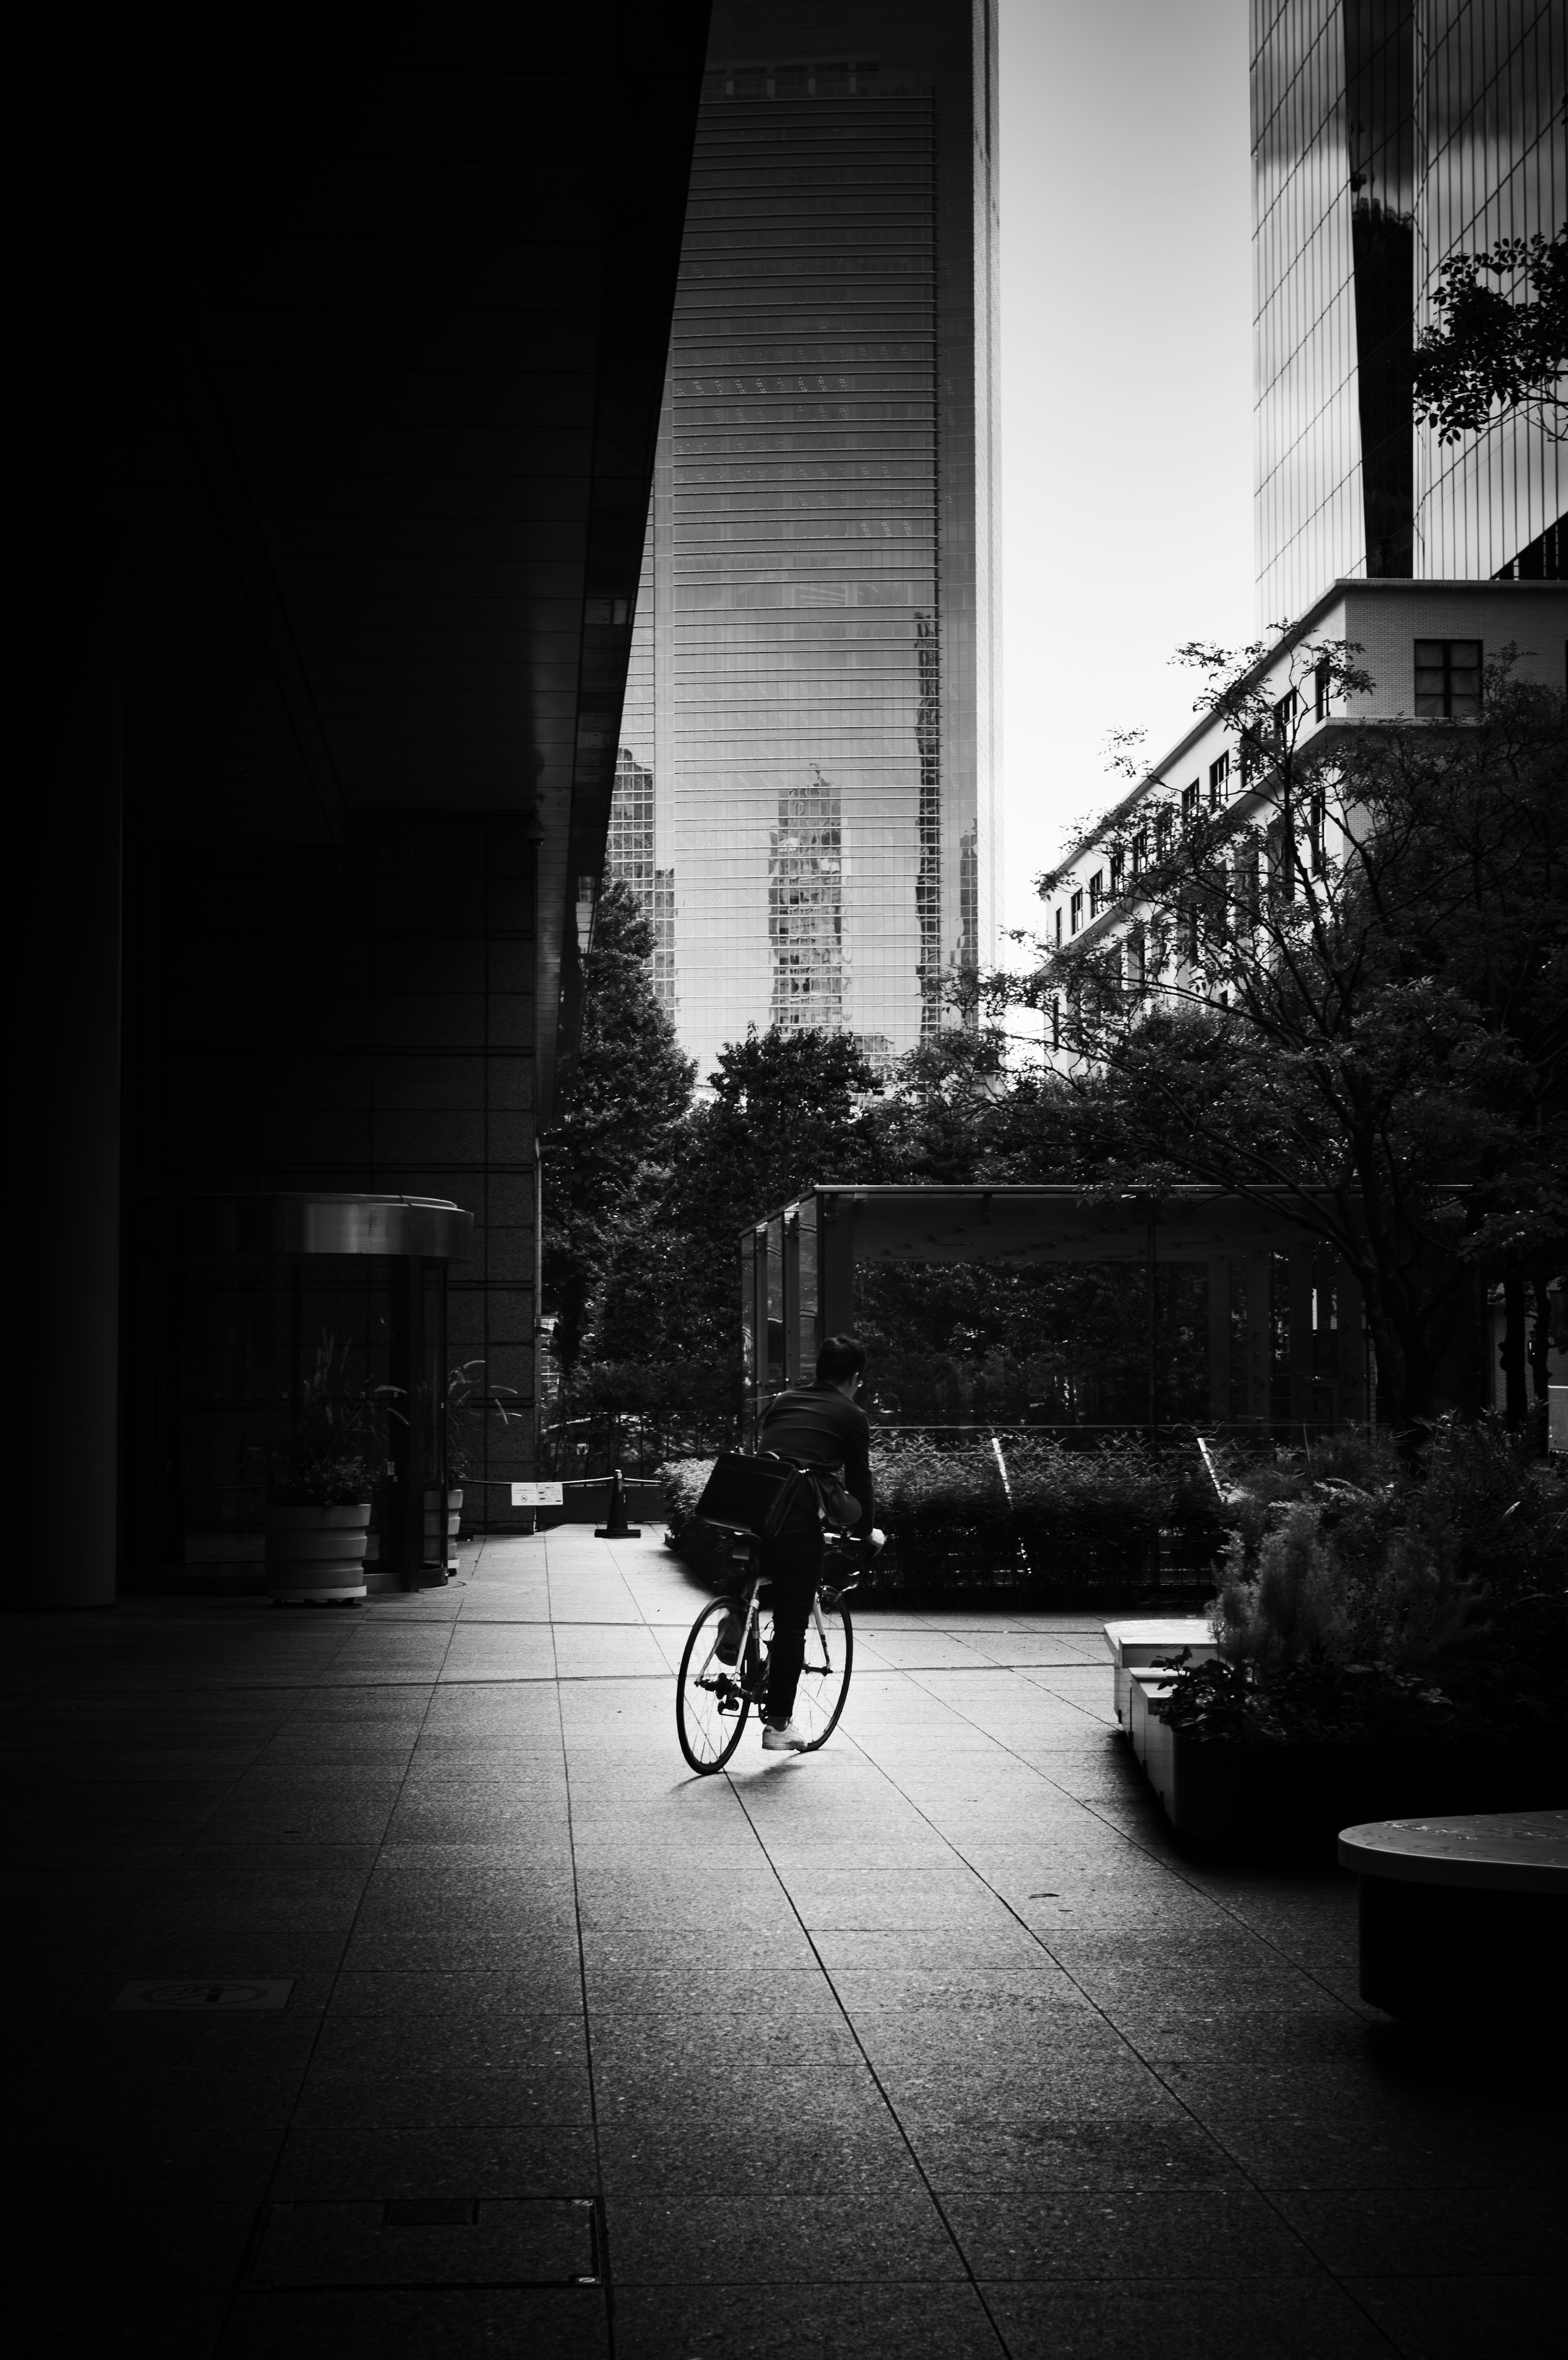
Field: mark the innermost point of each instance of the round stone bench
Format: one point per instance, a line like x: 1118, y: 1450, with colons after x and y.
x: 1462, y: 1915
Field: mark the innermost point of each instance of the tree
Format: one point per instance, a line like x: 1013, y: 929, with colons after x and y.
x: 621, y: 1117
x: 1349, y: 986
x: 1501, y: 347
x: 785, y: 1109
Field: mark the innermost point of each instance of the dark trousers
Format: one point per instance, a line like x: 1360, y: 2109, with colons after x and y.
x: 793, y: 1566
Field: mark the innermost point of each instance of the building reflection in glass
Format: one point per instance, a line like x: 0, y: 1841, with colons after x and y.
x: 810, y: 689
x: 1386, y: 134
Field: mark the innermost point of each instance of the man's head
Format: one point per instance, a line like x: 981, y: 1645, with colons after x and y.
x: 842, y: 1362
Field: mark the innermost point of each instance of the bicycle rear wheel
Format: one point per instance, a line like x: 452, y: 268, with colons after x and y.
x: 824, y: 1676
x: 709, y: 1706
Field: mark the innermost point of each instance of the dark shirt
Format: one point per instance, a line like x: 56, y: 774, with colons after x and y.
x: 816, y: 1427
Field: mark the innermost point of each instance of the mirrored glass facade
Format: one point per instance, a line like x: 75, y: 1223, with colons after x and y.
x: 1494, y: 163
x: 811, y: 708
x: 1385, y: 133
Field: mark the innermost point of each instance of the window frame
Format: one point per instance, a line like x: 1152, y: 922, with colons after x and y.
x: 1446, y: 668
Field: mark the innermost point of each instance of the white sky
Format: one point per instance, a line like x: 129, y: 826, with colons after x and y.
x: 1127, y: 387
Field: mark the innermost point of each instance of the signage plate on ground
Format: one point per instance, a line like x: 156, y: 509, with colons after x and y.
x: 207, y: 1994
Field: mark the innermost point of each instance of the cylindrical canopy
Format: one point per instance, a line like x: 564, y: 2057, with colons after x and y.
x: 324, y: 1222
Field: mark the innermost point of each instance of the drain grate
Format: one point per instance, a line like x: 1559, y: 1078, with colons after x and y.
x: 430, y: 2242
x: 257, y: 1991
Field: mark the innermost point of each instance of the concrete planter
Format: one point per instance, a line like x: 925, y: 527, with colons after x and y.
x: 444, y: 1516
x: 1278, y: 1800
x: 315, y: 1557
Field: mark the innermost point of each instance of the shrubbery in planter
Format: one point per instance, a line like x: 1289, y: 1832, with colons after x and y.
x: 1427, y: 1604
x: 1063, y: 1520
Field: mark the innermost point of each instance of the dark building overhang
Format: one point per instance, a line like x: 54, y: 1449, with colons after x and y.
x: 356, y: 361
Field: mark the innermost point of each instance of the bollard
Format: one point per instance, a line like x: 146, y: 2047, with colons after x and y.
x: 618, y: 1529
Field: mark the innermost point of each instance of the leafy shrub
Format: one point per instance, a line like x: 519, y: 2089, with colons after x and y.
x: 1098, y: 1520
x: 1426, y: 1595
x: 335, y: 1448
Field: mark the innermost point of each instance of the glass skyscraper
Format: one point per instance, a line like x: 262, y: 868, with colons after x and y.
x: 809, y: 776
x: 1386, y: 133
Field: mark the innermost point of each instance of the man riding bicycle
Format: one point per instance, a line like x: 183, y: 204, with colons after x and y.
x: 819, y: 1426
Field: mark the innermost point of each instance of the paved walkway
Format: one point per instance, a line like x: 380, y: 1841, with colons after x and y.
x: 929, y: 2045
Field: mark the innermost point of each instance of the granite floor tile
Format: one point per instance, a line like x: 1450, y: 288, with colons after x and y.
x: 1060, y: 2154
x: 1223, y: 2232
x: 1452, y: 2317
x: 1057, y: 2083
x: 1126, y: 2318
x: 1452, y: 2149
x: 1431, y: 2233
x: 720, y: 2321
x: 728, y: 2158
x: 507, y: 2161
x: 564, y: 2324
x: 180, y: 2246
x: 550, y: 2091
x: 162, y: 2326
x: 1141, y: 2089
x: 660, y: 2238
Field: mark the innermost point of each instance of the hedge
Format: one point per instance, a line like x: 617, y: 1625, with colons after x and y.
x: 1120, y: 1520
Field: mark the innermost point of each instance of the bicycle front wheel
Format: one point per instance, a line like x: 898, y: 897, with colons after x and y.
x: 710, y: 1706
x: 824, y: 1676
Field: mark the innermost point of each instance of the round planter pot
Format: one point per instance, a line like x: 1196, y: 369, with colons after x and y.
x: 442, y: 1523
x: 315, y: 1557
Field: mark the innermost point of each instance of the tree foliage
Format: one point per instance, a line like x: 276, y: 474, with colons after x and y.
x: 1498, y: 348
x: 622, y: 1114
x: 785, y: 1109
x: 1347, y: 985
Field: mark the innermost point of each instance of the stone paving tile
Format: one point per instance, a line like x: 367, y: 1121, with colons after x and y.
x: 1428, y: 2233
x: 1018, y: 2033
x: 506, y: 2162
x: 565, y: 2323
x: 1221, y: 2232
x: 1059, y: 2083
x: 874, y: 2321
x: 1064, y: 2155
x: 1456, y: 2150
x: 744, y: 2158
x: 1125, y: 2318
x: 857, y: 2236
x: 1452, y: 2317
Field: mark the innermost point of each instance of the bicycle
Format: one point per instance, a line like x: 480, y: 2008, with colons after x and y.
x: 713, y: 1700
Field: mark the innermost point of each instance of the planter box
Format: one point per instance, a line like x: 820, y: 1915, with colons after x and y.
x: 1135, y: 1643
x: 1269, y: 1800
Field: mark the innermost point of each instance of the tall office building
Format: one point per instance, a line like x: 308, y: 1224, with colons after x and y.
x: 1386, y: 134
x: 808, y: 780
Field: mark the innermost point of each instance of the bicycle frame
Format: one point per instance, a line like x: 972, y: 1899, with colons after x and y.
x: 750, y: 1666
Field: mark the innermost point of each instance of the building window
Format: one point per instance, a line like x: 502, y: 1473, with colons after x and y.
x: 1284, y: 713
x: 1059, y: 926
x: 1118, y: 870
x: 1190, y: 804
x: 1253, y: 759
x: 1056, y: 1024
x: 1164, y: 826
x: 1096, y: 893
x: 1140, y: 852
x: 1077, y: 910
x: 1320, y: 690
x: 1219, y: 781
x: 1448, y: 679
x: 1137, y: 969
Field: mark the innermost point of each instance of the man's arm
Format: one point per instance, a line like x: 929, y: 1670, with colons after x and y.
x: 857, y: 1468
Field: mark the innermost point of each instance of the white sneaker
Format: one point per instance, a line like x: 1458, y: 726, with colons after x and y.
x: 790, y: 1739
